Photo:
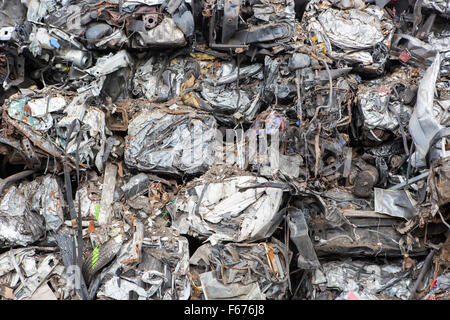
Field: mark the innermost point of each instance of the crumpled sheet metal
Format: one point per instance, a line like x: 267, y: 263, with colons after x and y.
x: 438, y: 184
x: 88, y: 72
x: 441, y: 6
x: 367, y: 279
x: 360, y: 29
x: 6, y: 263
x: 115, y: 24
x: 372, y: 238
x: 110, y: 63
x: 136, y: 186
x: 349, y: 4
x: 29, y: 209
x: 217, y: 90
x: 205, y: 82
x: 167, y: 247
x: 422, y: 53
x: 178, y: 142
x: 259, y: 32
x: 396, y: 203
x: 35, y: 112
x: 13, y: 13
x: 423, y: 125
x: 25, y: 272
x: 159, y: 81
x: 375, y: 105
x: 165, y: 34
x: 352, y: 29
x: 213, y: 289
x: 44, y: 269
x: 359, y: 233
x: 264, y: 11
x: 442, y: 287
x: 441, y: 43
x: 220, y: 212
x: 161, y: 272
x: 36, y: 116
x: 93, y: 131
x: 48, y: 200
x: 231, y: 278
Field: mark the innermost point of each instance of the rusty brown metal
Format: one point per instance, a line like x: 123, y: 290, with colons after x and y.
x: 150, y: 20
x: 117, y: 121
x: 40, y: 142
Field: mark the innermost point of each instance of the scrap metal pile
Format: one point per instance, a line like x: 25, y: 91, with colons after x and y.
x: 224, y: 149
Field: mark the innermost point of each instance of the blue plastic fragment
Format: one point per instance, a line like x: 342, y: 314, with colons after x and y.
x: 54, y: 43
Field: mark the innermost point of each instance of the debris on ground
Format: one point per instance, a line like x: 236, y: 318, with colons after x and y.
x: 224, y: 149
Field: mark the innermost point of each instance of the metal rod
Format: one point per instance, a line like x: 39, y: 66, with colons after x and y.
x: 426, y: 266
x: 410, y: 181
